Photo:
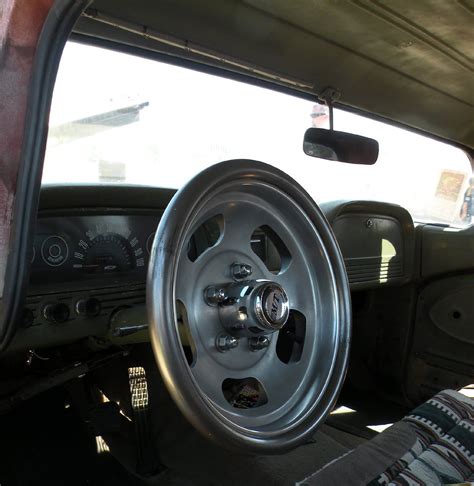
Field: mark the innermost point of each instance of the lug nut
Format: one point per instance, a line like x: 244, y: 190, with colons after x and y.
x: 214, y: 295
x: 241, y: 270
x: 224, y: 342
x: 258, y: 343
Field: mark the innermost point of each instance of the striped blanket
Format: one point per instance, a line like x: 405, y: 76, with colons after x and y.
x: 432, y: 446
x: 444, y: 450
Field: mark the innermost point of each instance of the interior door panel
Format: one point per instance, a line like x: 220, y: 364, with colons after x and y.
x: 446, y: 250
x: 442, y: 348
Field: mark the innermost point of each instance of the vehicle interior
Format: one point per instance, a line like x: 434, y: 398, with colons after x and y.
x: 207, y: 301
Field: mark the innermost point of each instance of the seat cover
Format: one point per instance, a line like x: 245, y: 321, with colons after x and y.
x: 433, y: 445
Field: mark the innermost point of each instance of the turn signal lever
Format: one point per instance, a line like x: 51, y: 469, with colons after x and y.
x: 128, y: 320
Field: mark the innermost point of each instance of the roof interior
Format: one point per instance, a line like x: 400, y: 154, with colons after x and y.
x: 411, y: 62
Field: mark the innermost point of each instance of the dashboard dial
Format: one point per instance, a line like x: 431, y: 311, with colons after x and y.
x: 108, y: 250
x: 54, y: 251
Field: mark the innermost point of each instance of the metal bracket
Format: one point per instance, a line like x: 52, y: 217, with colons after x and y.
x: 328, y: 96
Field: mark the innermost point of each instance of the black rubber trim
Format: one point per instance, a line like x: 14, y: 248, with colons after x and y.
x: 56, y: 30
x: 173, y: 59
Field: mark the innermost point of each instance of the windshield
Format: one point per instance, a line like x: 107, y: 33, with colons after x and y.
x: 122, y: 119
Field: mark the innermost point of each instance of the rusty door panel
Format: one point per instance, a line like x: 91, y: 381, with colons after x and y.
x: 21, y: 22
x: 32, y: 36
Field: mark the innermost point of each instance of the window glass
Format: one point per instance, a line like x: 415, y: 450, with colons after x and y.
x: 122, y: 119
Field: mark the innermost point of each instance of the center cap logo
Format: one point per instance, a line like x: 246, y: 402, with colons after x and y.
x: 275, y: 305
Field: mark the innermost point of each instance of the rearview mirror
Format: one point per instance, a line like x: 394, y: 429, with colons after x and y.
x: 340, y: 146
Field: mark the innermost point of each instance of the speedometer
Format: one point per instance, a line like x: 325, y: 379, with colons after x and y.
x: 107, y: 249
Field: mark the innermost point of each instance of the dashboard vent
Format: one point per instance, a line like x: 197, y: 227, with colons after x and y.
x: 373, y: 269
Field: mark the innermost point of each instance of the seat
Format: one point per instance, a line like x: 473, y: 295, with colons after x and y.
x: 433, y: 445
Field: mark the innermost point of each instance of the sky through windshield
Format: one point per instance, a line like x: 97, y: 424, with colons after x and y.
x: 117, y: 118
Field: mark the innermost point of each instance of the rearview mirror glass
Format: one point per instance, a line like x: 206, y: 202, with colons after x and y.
x: 340, y: 146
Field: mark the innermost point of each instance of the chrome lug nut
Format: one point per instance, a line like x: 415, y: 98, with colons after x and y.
x: 258, y: 343
x: 224, y: 342
x: 214, y: 295
x: 241, y: 271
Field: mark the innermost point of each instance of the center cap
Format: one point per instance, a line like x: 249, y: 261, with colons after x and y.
x: 271, y: 306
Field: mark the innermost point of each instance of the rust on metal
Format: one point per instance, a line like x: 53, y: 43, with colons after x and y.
x: 21, y: 22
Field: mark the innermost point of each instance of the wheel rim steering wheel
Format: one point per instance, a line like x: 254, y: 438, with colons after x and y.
x: 252, y: 347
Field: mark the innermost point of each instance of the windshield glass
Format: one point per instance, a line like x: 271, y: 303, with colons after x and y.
x: 118, y: 118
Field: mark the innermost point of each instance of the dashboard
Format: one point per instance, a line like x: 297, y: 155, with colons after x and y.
x: 92, y: 248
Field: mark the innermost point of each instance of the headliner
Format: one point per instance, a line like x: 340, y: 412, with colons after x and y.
x: 409, y: 62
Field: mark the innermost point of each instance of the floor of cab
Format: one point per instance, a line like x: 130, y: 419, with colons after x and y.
x: 44, y: 441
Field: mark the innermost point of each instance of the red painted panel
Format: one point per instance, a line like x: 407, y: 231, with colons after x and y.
x: 21, y: 22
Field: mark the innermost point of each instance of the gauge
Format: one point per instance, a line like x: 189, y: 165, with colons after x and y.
x: 102, y: 251
x: 54, y: 251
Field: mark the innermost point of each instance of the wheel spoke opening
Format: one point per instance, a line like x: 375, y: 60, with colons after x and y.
x: 244, y: 393
x: 290, y: 342
x: 269, y: 247
x: 206, y: 236
x: 185, y: 336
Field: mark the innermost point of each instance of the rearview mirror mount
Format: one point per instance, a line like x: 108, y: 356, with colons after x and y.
x: 333, y: 145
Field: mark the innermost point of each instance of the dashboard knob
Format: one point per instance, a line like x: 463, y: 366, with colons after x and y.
x: 57, y: 313
x: 88, y: 307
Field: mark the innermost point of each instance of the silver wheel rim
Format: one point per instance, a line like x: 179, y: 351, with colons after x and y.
x: 247, y: 195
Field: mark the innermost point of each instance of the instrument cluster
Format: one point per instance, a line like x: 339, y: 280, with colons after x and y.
x: 102, y: 248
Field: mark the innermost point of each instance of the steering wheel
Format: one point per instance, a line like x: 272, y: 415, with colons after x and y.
x: 249, y: 307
